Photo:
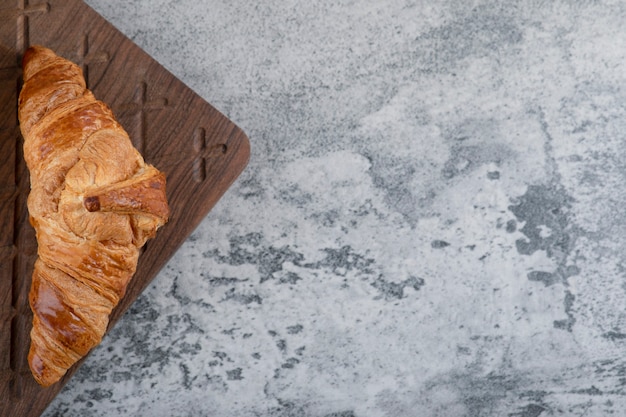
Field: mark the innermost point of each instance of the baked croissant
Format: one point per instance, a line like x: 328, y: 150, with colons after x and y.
x: 93, y: 203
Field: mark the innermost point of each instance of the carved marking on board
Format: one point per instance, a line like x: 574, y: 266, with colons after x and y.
x: 22, y: 14
x: 87, y: 57
x: 7, y: 223
x: 23, y: 255
x: 203, y: 153
x: 140, y: 107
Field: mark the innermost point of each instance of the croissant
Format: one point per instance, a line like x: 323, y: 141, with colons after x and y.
x: 93, y: 203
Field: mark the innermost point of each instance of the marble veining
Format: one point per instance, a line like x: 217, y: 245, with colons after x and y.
x: 430, y: 224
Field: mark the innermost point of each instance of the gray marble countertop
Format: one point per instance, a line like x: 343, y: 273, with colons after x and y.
x: 430, y: 224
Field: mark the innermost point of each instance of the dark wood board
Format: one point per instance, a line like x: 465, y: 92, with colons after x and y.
x: 198, y: 148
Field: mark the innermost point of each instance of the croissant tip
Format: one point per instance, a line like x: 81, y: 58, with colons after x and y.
x: 34, y: 56
x: 92, y: 203
x: 42, y: 376
x: 31, y: 51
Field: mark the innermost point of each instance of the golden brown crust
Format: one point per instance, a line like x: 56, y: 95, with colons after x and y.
x: 93, y: 203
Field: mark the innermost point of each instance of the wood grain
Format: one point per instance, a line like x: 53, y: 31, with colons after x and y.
x: 198, y: 148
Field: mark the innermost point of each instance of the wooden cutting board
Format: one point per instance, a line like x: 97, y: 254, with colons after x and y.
x: 199, y: 149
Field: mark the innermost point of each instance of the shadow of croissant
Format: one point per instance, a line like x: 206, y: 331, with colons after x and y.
x: 18, y: 249
x: 10, y: 84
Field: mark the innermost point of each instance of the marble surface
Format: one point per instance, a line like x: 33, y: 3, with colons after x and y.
x: 430, y: 225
